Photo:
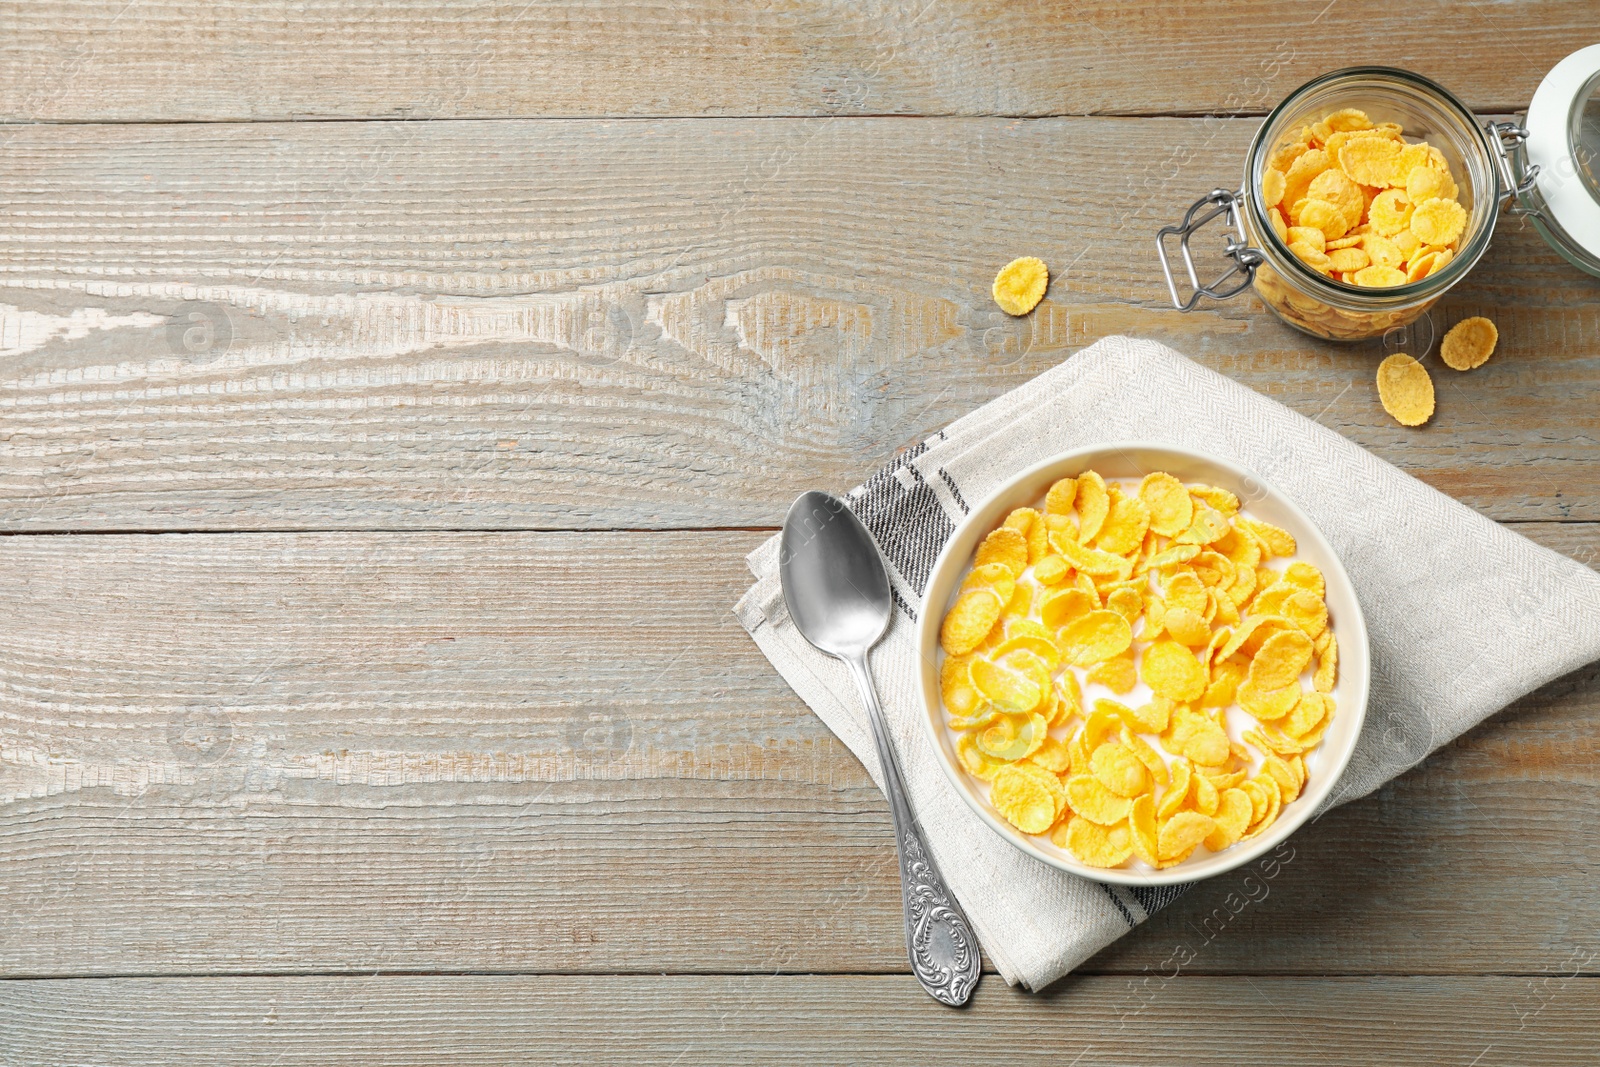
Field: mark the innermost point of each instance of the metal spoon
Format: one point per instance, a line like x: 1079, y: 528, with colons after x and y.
x: 837, y: 592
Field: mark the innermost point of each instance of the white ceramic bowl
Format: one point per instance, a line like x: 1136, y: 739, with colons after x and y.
x: 1134, y: 460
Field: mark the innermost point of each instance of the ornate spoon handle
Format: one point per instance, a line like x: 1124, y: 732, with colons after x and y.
x: 944, y: 953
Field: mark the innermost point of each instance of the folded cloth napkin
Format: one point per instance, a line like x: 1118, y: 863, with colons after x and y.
x: 1464, y: 615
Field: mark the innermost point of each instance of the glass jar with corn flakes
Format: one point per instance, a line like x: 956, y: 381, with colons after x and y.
x: 1367, y: 194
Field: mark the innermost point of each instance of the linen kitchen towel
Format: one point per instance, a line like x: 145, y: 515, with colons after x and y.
x: 1464, y: 616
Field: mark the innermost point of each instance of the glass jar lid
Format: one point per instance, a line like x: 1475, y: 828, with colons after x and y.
x: 1563, y: 142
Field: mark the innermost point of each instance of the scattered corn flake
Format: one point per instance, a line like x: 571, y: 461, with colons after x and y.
x: 1268, y: 705
x: 1469, y: 344
x: 1234, y: 812
x: 1405, y: 390
x: 1092, y: 561
x: 1051, y: 570
x: 1379, y: 277
x: 1326, y: 218
x: 978, y: 763
x: 1020, y: 285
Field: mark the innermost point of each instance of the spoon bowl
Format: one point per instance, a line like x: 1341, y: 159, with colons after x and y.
x: 834, y: 583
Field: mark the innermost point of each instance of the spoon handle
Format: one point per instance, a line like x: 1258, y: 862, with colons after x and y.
x: 944, y: 952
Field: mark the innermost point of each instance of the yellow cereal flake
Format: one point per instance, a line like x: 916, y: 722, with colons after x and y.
x: 1280, y: 225
x: 1272, y: 186
x: 1273, y: 539
x: 1004, y: 546
x: 1172, y: 671
x: 1348, y: 119
x: 1268, y: 705
x: 1119, y: 769
x: 1282, y: 659
x: 1390, y: 212
x: 1089, y: 797
x: 1326, y: 218
x: 1335, y: 187
x: 1023, y: 800
x: 1405, y: 390
x: 1093, y: 503
x: 1327, y: 675
x: 1197, y: 738
x: 1424, y: 183
x: 1182, y: 834
x: 1093, y: 637
x: 1379, y: 277
x: 1116, y: 674
x: 1020, y: 285
x: 1438, y: 221
x: 1370, y: 160
x: 1126, y: 522
x: 1061, y: 496
x: 1063, y: 606
x: 1381, y: 252
x: 969, y: 622
x: 979, y: 764
x: 1305, y: 167
x: 1092, y: 561
x: 1469, y: 344
x: 1096, y: 845
x: 1348, y: 260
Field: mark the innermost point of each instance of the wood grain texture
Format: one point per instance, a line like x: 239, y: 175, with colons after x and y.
x: 802, y: 1020
x: 457, y: 325
x: 559, y: 752
x: 112, y: 60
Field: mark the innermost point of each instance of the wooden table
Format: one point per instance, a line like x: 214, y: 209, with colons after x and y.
x: 391, y: 391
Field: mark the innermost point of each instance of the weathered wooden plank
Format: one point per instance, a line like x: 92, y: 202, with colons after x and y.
x: 1549, y: 1018
x: 645, y: 324
x: 164, y: 60
x: 558, y: 752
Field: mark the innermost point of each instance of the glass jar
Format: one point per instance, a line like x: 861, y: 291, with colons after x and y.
x: 1316, y: 303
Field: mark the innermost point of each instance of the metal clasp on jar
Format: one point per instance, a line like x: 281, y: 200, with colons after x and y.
x: 1508, y: 139
x: 1244, y: 259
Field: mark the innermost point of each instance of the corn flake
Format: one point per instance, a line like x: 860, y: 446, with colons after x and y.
x: 1405, y: 390
x: 1093, y: 637
x: 1023, y: 799
x: 1096, y: 845
x: 1438, y: 221
x: 1020, y: 285
x: 1469, y: 344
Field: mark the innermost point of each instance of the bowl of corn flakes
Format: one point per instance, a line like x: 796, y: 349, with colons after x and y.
x: 1142, y: 664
